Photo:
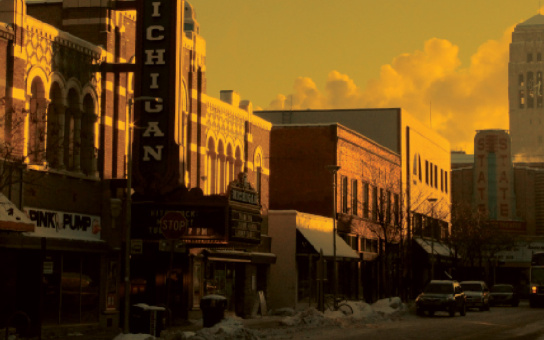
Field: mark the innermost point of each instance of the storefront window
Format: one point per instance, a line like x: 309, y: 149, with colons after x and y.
x: 72, y: 284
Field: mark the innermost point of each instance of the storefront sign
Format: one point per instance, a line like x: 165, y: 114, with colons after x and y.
x: 239, y: 195
x: 192, y: 224
x: 245, y: 226
x: 174, y: 224
x: 59, y: 224
x: 241, y: 190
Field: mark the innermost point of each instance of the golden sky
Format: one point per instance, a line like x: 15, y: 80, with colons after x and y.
x: 445, y: 62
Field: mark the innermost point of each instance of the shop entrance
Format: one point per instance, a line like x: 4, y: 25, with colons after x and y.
x: 220, y: 279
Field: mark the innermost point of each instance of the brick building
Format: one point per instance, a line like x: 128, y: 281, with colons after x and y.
x: 63, y: 137
x: 67, y: 91
x: 425, y: 194
x: 367, y: 195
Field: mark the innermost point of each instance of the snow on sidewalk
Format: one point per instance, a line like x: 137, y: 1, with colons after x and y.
x: 233, y: 328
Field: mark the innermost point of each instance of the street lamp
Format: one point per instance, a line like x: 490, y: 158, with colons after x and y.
x: 129, y: 128
x: 333, y: 169
x: 432, y: 201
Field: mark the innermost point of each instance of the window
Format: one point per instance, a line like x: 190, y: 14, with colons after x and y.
x: 441, y: 180
x: 521, y: 99
x: 446, y: 181
x: 521, y: 82
x: 354, y: 201
x: 431, y: 175
x: 426, y: 172
x: 419, y: 168
x: 530, y: 89
x: 374, y: 203
x: 396, y: 209
x: 344, y: 195
x: 382, y: 205
x: 539, y: 57
x: 388, y: 208
x: 529, y: 57
x: 436, y: 176
x: 365, y: 200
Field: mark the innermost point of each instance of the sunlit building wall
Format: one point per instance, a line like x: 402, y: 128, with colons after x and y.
x: 425, y: 155
x: 525, y: 89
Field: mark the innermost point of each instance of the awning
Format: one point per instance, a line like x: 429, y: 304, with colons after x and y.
x: 239, y: 256
x: 11, y: 218
x: 322, y: 240
x: 435, y: 247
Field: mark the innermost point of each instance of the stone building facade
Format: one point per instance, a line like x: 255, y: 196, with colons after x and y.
x: 525, y: 90
x: 69, y: 102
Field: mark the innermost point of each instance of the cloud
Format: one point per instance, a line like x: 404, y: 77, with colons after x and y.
x: 426, y: 83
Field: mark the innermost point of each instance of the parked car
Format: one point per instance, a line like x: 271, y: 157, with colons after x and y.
x: 442, y: 295
x: 504, y: 294
x: 477, y: 294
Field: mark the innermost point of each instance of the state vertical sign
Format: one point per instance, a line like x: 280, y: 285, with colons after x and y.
x: 158, y: 59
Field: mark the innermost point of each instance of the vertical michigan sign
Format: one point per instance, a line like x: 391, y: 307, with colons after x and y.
x: 158, y: 75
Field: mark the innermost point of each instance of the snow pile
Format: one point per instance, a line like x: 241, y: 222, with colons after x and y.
x: 309, y: 316
x: 381, y: 310
x: 227, y: 329
x: 134, y: 337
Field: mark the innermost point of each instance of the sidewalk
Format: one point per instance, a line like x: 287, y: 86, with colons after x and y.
x: 78, y: 333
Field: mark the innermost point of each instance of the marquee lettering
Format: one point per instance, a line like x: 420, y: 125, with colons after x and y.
x: 503, y: 192
x: 155, y: 153
x: 151, y: 36
x: 154, y: 79
x: 156, y: 6
x: 155, y: 54
x: 157, y: 108
x: 153, y: 128
x: 481, y: 191
x: 156, y: 33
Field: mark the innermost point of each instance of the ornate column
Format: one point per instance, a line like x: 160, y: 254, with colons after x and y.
x: 93, y: 171
x: 77, y: 141
x: 42, y: 132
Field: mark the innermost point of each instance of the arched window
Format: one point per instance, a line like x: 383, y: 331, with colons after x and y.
x: 258, y: 166
x: 36, y: 142
x: 230, y: 164
x: 238, y: 162
x: 221, y: 168
x: 211, y: 158
x: 88, y: 132
x: 55, y: 128
x: 71, y: 131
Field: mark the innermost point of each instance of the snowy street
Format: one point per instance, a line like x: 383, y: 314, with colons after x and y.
x: 376, y: 321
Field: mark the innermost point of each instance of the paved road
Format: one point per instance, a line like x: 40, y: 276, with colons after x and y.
x: 499, y: 323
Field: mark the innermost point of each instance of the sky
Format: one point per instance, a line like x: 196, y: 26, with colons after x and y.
x: 442, y: 61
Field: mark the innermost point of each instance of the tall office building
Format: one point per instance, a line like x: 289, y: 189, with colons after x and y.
x: 525, y: 68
